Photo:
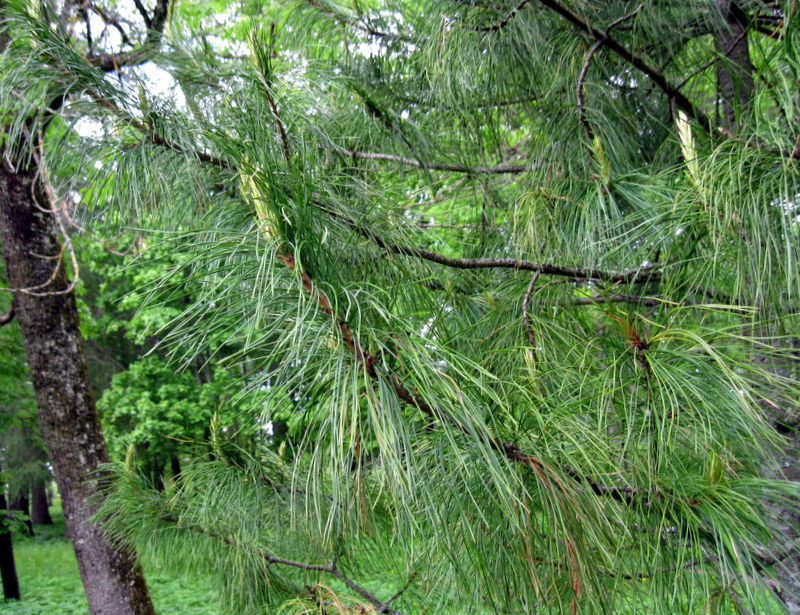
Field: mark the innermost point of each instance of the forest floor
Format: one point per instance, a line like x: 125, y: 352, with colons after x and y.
x: 50, y: 583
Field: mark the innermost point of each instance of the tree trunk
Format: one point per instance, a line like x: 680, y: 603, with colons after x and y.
x: 70, y: 424
x: 40, y: 512
x: 8, y: 570
x: 175, y: 465
x: 21, y: 503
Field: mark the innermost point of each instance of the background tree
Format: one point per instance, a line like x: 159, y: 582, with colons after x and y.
x: 8, y: 568
x: 34, y: 244
x: 522, y: 276
x: 23, y: 452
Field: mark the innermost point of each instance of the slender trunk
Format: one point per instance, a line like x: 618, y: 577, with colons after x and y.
x: 157, y: 474
x: 40, y: 512
x: 8, y: 570
x: 175, y: 465
x: 70, y: 424
x: 21, y: 503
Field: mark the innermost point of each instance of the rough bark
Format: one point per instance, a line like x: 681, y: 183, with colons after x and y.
x: 40, y: 511
x: 734, y: 68
x: 70, y: 424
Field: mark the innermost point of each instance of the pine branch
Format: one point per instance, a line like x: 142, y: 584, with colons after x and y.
x: 399, y: 592
x: 437, y: 166
x: 692, y: 563
x: 672, y: 92
x: 623, y: 298
x: 755, y: 144
x: 152, y: 135
x: 370, y: 362
x: 647, y: 273
x: 510, y: 450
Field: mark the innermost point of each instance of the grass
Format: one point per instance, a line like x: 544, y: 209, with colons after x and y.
x: 50, y: 583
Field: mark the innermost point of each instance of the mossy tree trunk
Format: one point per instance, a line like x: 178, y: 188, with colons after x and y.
x: 48, y: 317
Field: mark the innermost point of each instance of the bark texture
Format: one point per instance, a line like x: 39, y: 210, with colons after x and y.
x: 70, y: 424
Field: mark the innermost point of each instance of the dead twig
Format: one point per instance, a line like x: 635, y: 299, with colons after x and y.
x: 526, y: 316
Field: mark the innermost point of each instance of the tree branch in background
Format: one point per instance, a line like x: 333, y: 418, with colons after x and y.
x: 638, y: 62
x: 358, y: 25
x: 113, y: 21
x: 143, y: 12
x: 84, y: 12
x: 109, y: 62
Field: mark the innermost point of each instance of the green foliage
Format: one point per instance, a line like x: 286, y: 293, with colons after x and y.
x: 162, y: 413
x: 24, y: 452
x: 308, y: 196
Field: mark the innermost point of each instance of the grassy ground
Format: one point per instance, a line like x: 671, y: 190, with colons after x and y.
x: 50, y: 584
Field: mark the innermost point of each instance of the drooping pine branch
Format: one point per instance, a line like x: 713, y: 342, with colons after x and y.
x: 329, y: 568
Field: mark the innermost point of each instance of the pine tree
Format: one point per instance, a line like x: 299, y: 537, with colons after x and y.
x: 522, y: 276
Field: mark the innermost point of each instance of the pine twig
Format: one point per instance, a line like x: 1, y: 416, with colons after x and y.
x: 499, y: 25
x: 7, y: 317
x: 526, y: 315
x: 585, y: 69
x: 437, y: 166
x: 755, y: 144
